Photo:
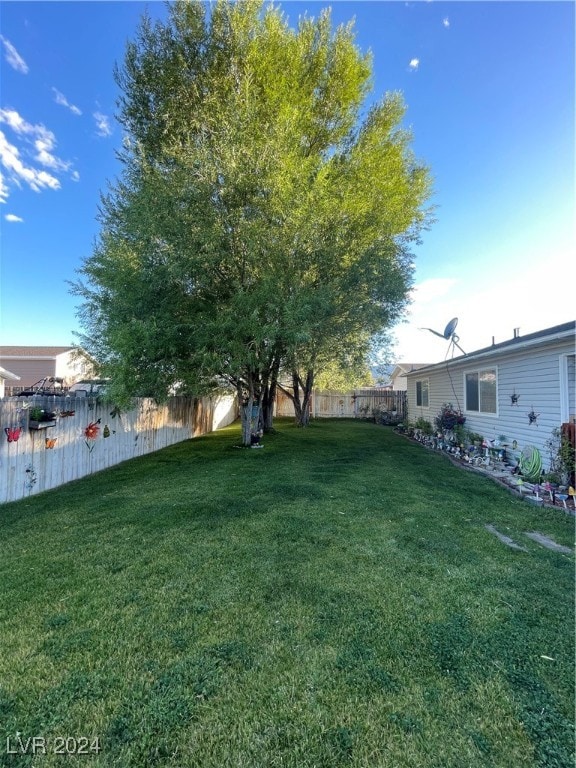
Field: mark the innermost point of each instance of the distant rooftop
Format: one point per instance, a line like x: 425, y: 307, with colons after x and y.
x: 33, y: 351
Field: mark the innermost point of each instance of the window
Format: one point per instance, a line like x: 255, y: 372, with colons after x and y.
x: 422, y: 393
x: 480, y: 389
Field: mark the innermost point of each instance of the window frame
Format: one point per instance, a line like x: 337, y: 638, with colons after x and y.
x: 420, y: 390
x: 478, y: 372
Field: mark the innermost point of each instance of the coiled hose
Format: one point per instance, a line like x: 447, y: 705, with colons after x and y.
x: 531, y: 463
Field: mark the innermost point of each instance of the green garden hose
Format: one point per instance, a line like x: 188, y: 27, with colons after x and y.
x: 531, y: 463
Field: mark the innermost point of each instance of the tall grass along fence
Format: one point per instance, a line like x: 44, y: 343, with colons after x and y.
x: 86, y: 435
x: 361, y: 403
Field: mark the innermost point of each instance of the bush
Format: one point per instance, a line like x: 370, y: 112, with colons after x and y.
x: 424, y: 425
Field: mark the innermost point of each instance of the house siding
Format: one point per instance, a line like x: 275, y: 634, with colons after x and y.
x: 32, y: 370
x: 33, y: 366
x: 532, y: 373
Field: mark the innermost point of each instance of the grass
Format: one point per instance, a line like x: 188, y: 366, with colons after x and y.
x: 331, y: 600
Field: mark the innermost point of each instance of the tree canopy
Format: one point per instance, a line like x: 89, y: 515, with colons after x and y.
x: 262, y: 222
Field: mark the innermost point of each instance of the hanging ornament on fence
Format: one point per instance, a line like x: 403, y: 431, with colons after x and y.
x: 31, y: 477
x: 106, y: 432
x: 91, y: 434
x: 50, y: 442
x: 92, y: 430
x: 13, y: 433
x: 533, y: 417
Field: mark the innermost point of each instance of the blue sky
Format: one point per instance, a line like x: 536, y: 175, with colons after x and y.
x: 489, y: 88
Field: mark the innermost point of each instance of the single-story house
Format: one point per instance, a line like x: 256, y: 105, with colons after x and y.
x: 31, y: 364
x: 398, y: 380
x: 521, y: 389
x: 6, y: 376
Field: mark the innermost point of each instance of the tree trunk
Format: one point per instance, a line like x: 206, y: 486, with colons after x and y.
x: 301, y: 406
x: 246, y: 404
x: 306, y: 399
x: 269, y: 398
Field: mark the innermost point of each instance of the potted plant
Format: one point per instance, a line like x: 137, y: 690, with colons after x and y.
x: 40, y: 418
x: 448, y: 418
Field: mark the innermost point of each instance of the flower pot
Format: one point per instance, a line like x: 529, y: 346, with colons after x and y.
x: 35, y: 425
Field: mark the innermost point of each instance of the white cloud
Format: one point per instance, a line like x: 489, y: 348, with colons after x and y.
x: 102, y: 124
x: 45, y: 157
x: 39, y: 143
x: 414, y: 64
x: 4, y: 192
x: 13, y: 57
x: 36, y: 179
x: 12, y: 217
x: 446, y: 22
x: 59, y: 98
x: 75, y: 176
x: 43, y: 140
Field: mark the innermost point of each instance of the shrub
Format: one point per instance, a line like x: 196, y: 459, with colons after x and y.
x: 424, y: 425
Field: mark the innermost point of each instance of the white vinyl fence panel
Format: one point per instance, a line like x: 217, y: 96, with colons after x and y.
x: 36, y: 460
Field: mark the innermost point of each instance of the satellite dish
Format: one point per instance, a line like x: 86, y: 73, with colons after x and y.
x: 449, y: 334
x: 450, y: 328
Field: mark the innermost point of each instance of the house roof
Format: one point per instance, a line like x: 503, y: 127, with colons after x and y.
x: 401, y: 369
x: 565, y: 330
x: 4, y: 374
x: 33, y: 351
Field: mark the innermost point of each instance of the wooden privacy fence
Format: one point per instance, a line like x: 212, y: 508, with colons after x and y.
x: 357, y: 404
x: 86, y: 436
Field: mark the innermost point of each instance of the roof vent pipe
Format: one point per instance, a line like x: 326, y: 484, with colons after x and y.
x: 516, y: 332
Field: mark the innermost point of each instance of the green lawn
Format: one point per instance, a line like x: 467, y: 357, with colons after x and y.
x: 330, y: 600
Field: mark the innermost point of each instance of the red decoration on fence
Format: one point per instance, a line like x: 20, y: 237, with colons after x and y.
x: 92, y: 430
x: 50, y: 442
x: 13, y: 433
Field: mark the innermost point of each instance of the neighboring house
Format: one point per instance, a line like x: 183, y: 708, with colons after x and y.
x: 522, y: 388
x: 34, y: 363
x: 6, y: 376
x: 398, y: 380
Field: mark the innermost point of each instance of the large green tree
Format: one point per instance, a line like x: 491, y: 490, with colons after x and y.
x: 259, y: 222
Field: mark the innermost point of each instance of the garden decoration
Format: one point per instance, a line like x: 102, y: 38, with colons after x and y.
x: 32, y: 478
x: 532, y: 417
x: 50, y: 442
x: 563, y: 497
x: 530, y: 463
x: 106, y: 432
x: 92, y: 430
x: 514, y: 398
x: 572, y: 493
x: 66, y: 414
x: 91, y: 434
x: 115, y: 412
x: 448, y: 418
x: 13, y: 433
x: 40, y: 418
